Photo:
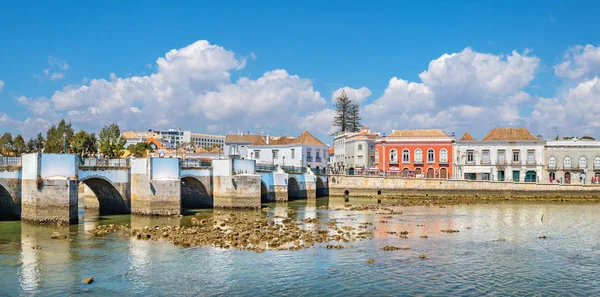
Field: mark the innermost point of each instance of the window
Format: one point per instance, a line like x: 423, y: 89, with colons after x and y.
x: 531, y: 157
x: 405, y: 156
x: 516, y: 155
x: 376, y: 156
x: 582, y: 162
x: 470, y: 157
x: 567, y: 162
x: 318, y: 154
x: 597, y: 162
x: 256, y: 154
x: 360, y: 147
x: 360, y: 160
x: 293, y: 153
x: 418, y: 155
x: 501, y: 157
x: 275, y: 154
x: 443, y: 155
x: 430, y: 156
x: 552, y: 162
x: 485, y: 156
x: 393, y: 156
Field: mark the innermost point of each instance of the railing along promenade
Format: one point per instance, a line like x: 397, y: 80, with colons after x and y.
x: 103, y: 162
x: 10, y: 161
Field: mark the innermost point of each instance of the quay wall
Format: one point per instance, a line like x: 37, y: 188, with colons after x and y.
x: 361, y: 186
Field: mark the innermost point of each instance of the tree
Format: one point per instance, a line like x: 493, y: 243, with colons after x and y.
x: 342, y: 108
x: 110, y: 141
x: 6, y: 144
x: 354, y: 118
x: 35, y: 145
x: 57, y: 137
x: 139, y: 150
x: 84, y: 144
x: 19, y: 146
x: 588, y: 137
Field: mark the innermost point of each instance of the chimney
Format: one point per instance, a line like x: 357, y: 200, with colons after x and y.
x: 267, y: 138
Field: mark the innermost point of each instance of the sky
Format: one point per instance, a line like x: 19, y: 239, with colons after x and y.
x: 460, y: 66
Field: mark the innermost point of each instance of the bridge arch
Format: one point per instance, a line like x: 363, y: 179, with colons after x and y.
x: 321, y: 188
x: 110, y: 199
x: 194, y: 193
x: 264, y: 192
x: 9, y: 209
x: 294, y: 191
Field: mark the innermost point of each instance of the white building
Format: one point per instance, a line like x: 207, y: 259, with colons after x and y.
x: 504, y: 154
x: 207, y: 141
x: 573, y: 161
x: 354, y: 150
x: 135, y: 137
x: 302, y: 151
x: 172, y: 138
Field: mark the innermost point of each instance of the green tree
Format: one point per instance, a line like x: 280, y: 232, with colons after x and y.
x: 139, y: 150
x: 84, y: 144
x: 19, y: 146
x: 342, y: 108
x: 354, y: 118
x: 35, y: 145
x: 110, y: 141
x: 6, y: 144
x: 588, y: 137
x: 57, y: 136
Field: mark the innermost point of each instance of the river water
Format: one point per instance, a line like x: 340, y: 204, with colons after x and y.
x: 497, y: 252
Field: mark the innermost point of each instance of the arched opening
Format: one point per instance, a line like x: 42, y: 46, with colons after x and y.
x: 194, y: 194
x: 552, y: 177
x: 264, y: 193
x: 110, y: 201
x: 294, y: 191
x: 418, y: 172
x: 321, y: 189
x: 9, y: 210
x: 567, y: 177
x: 430, y: 173
x: 405, y: 172
x: 443, y: 173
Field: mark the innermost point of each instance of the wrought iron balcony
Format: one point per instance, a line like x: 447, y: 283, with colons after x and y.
x: 318, y: 159
x: 419, y: 162
x: 393, y: 162
x: 445, y: 162
x: 531, y: 162
x: 501, y: 162
x: 309, y: 158
x: 486, y: 162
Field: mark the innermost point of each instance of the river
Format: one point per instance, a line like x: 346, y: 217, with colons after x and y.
x: 497, y: 251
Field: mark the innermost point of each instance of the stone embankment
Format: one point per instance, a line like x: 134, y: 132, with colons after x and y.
x: 434, y: 189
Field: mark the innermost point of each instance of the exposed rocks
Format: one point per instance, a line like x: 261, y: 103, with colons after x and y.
x: 331, y: 246
x: 424, y: 236
x: 107, y: 229
x: 422, y: 256
x: 57, y: 235
x: 87, y: 280
x: 542, y: 237
x: 370, y: 261
x: 394, y: 248
x: 450, y: 231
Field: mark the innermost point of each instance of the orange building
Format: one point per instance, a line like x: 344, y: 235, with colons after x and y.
x: 415, y: 153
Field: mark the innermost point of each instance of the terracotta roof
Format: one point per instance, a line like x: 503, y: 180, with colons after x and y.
x: 307, y: 138
x: 139, y: 134
x: 201, y: 150
x: 435, y: 133
x: 215, y: 150
x: 254, y: 139
x: 156, y: 142
x: 510, y: 134
x: 283, y: 140
x: 467, y: 137
x: 331, y: 150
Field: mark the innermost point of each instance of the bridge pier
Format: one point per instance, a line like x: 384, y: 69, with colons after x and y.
x: 49, y: 189
x: 10, y: 194
x: 239, y: 191
x: 274, y: 186
x: 155, y: 186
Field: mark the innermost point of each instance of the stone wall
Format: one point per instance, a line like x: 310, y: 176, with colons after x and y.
x: 155, y: 196
x: 360, y: 186
x: 50, y: 201
x: 238, y: 191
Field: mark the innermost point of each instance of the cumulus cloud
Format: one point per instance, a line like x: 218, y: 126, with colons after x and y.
x: 356, y: 95
x: 319, y: 122
x: 192, y: 88
x: 579, y: 62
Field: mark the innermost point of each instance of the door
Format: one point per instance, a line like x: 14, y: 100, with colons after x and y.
x: 443, y: 173
x: 430, y: 173
x: 501, y: 175
x: 516, y: 176
x: 530, y: 177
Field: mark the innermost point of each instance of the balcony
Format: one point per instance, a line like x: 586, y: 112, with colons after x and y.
x: 318, y: 159
x: 486, y: 162
x: 501, y: 162
x: 444, y: 162
x: 531, y: 162
x: 418, y: 162
x: 552, y: 166
x: 393, y: 162
x: 309, y: 158
x: 513, y: 162
x: 596, y: 166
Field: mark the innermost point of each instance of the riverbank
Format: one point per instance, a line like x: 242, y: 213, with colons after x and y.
x: 456, y: 190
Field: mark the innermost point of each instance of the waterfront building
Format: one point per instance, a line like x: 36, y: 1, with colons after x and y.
x: 504, y: 154
x: 135, y: 137
x: 354, y: 151
x: 302, y: 151
x: 207, y: 141
x: 415, y: 153
x: 172, y: 138
x: 331, y: 161
x: 572, y: 161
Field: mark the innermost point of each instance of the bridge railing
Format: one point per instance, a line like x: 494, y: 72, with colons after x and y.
x: 103, y: 162
x: 10, y: 161
x: 294, y: 169
x: 195, y: 163
x: 265, y: 167
x: 319, y: 170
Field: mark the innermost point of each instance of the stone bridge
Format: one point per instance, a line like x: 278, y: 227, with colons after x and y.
x: 44, y: 188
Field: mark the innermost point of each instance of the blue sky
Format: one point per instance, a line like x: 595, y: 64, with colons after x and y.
x: 326, y: 45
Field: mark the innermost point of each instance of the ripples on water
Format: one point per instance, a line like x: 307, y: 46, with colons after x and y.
x: 497, y: 252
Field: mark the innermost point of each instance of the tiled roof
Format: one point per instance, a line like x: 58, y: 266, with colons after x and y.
x: 434, y: 133
x: 216, y: 150
x: 254, y: 139
x: 201, y: 150
x: 467, y: 137
x: 307, y: 138
x: 155, y: 141
x: 139, y: 134
x: 510, y: 134
x: 283, y: 140
x: 331, y: 150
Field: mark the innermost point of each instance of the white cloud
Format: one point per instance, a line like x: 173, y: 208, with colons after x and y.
x: 190, y: 88
x: 579, y: 62
x: 1, y: 85
x: 58, y: 63
x: 57, y: 75
x: 356, y: 95
x: 319, y: 122
x: 56, y: 71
